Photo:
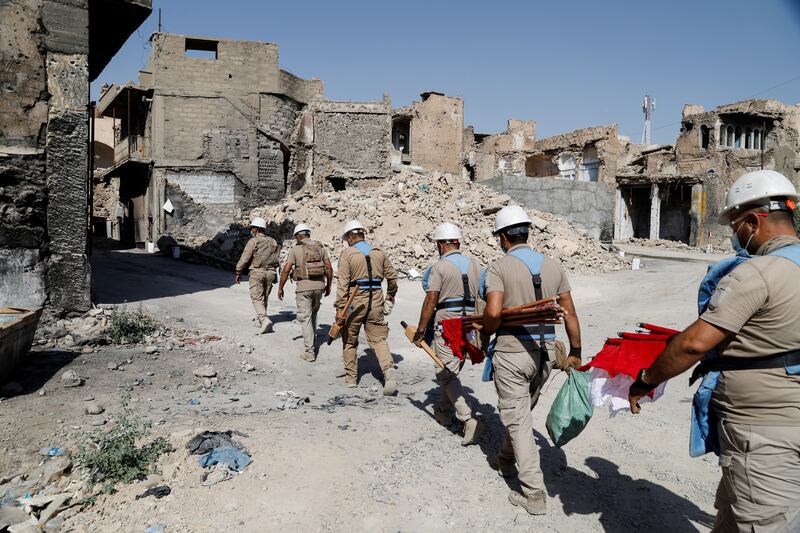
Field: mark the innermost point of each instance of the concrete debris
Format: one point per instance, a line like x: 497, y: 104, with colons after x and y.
x: 205, y: 371
x: 290, y: 400
x: 401, y: 213
x: 70, y: 378
x: 94, y: 408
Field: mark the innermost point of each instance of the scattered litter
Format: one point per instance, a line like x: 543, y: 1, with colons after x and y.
x: 290, y: 400
x: 208, y: 440
x: 158, y: 528
x: 158, y: 492
x: 231, y: 456
x: 217, y: 474
x: 52, y: 452
x: 193, y: 401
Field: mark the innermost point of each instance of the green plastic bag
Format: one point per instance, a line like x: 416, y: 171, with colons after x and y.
x: 571, y: 409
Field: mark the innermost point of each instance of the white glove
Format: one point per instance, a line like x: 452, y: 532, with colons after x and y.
x: 387, y: 307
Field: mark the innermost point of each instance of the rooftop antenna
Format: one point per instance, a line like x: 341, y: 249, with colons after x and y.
x: 648, y: 106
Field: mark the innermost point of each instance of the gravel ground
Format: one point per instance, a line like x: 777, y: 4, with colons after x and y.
x: 353, y: 459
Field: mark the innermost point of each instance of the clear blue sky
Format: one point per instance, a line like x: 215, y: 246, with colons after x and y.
x: 566, y: 64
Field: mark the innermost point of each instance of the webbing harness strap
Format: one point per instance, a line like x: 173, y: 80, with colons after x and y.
x: 723, y: 364
x: 467, y: 301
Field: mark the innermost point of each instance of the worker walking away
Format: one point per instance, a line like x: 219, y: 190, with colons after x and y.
x: 524, y: 355
x: 311, y: 269
x: 451, y: 290
x: 363, y: 268
x: 261, y: 256
x: 748, y: 337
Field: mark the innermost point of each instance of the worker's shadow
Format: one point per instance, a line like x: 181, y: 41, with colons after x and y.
x: 370, y: 365
x: 624, y: 503
x: 494, y: 431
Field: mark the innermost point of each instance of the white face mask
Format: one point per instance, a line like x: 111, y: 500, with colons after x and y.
x: 737, y: 246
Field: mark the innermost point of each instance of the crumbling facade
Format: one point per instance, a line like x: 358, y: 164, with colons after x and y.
x: 430, y: 133
x: 588, y: 154
x: 209, y: 128
x: 348, y: 141
x: 50, y: 51
x: 676, y: 192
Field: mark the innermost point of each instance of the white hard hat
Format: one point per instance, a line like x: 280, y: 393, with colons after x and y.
x: 301, y: 227
x: 511, y: 215
x: 446, y: 232
x: 756, y: 188
x: 352, y: 225
x: 258, y: 222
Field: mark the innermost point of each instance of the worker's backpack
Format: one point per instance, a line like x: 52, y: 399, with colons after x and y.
x: 266, y: 252
x: 313, y: 265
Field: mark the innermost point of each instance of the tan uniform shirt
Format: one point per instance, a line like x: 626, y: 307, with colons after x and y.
x: 353, y: 266
x: 445, y: 278
x: 510, y: 275
x: 296, y: 259
x: 254, y: 260
x: 760, y: 303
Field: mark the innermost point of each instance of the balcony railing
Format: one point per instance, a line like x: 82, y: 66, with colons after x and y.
x: 131, y: 147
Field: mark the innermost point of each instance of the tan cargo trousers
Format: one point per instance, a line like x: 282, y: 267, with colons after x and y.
x: 452, y: 393
x: 376, y: 330
x: 260, y: 285
x: 518, y: 380
x: 307, y: 308
x: 760, y: 485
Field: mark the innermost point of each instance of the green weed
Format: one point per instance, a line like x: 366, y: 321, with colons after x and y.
x: 131, y: 326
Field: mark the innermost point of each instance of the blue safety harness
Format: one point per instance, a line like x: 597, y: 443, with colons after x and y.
x: 703, y: 436
x: 369, y: 283
x: 466, y: 302
x: 539, y: 333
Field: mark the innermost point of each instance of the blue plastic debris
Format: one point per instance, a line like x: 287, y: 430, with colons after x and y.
x: 233, y: 457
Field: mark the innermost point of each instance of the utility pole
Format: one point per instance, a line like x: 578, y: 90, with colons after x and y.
x: 159, y: 20
x: 648, y: 106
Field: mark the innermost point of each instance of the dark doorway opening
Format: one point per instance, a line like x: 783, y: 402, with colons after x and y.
x: 637, y: 199
x: 676, y: 204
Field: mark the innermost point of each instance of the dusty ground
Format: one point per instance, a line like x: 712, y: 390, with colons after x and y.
x: 352, y: 460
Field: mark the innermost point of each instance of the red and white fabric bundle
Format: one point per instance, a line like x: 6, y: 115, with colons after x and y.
x: 616, y: 366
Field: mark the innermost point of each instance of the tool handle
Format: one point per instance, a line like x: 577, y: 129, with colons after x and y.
x: 410, y: 331
x: 336, y: 329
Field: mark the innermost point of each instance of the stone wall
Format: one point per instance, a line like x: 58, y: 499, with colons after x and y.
x: 587, y: 205
x: 437, y: 133
x: 351, y: 140
x: 44, y: 71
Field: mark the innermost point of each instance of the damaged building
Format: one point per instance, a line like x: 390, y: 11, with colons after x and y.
x: 574, y: 171
x: 430, y: 133
x: 50, y: 51
x: 676, y: 192
x: 205, y: 135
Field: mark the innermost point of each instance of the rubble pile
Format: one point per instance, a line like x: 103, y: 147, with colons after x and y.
x: 724, y: 247
x: 400, y: 215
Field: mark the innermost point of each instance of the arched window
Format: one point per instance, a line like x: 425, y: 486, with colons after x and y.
x: 729, y: 141
x: 737, y: 140
x: 748, y: 138
x: 757, y: 139
x: 722, y: 135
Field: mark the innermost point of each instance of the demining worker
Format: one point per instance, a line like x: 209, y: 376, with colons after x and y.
x: 748, y: 338
x: 363, y: 268
x: 451, y: 288
x: 311, y: 269
x: 524, y: 355
x: 261, y: 256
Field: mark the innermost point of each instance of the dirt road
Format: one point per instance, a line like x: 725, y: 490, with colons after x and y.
x: 352, y: 460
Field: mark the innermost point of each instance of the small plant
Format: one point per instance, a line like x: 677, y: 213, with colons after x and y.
x: 116, y: 458
x: 131, y: 326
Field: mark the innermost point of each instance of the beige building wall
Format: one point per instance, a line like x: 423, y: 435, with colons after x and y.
x: 437, y: 132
